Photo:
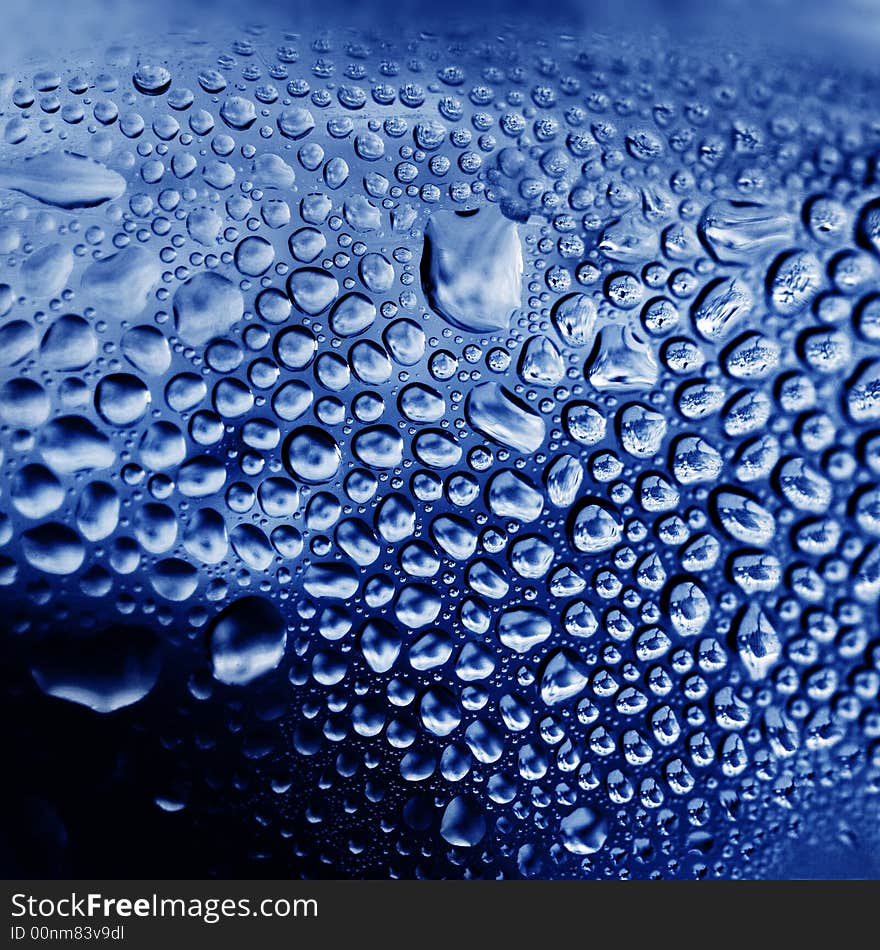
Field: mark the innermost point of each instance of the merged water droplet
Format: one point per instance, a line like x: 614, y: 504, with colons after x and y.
x: 104, y: 671
x: 247, y: 640
x: 472, y: 268
x: 205, y: 306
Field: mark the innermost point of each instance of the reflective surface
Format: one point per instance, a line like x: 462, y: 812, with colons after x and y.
x: 442, y: 454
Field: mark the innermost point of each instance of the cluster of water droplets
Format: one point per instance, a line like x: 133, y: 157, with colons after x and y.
x: 493, y: 425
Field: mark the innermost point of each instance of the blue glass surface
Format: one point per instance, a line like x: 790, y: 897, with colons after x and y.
x: 441, y: 444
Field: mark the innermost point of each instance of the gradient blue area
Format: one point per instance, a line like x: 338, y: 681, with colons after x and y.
x: 440, y: 441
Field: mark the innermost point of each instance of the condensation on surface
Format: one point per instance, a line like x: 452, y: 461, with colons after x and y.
x: 460, y: 453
